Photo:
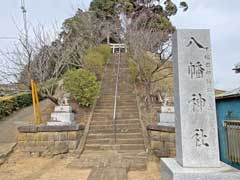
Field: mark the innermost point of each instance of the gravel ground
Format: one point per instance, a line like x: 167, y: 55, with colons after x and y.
x: 22, y: 167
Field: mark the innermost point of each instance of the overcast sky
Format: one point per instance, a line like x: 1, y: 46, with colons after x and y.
x: 221, y: 17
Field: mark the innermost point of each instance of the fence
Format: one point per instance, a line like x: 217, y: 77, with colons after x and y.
x: 232, y: 140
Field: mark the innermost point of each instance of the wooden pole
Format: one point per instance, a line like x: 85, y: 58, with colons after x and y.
x: 36, y: 106
x: 34, y: 102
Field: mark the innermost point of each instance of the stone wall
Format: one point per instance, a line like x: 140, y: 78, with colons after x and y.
x: 49, y: 140
x: 162, y: 138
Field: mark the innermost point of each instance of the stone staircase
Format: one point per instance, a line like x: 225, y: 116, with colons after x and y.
x: 128, y: 129
x: 109, y: 159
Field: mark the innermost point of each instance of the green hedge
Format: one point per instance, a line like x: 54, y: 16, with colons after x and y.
x: 9, y: 105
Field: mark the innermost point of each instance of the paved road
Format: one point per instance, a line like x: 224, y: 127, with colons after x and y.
x: 8, y: 126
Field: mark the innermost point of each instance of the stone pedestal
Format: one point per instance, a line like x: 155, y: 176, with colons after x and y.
x: 167, y: 116
x: 172, y: 170
x: 61, y: 116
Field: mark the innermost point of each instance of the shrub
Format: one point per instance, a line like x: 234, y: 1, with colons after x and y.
x: 23, y: 100
x: 95, y: 59
x: 49, y: 87
x: 82, y: 85
x: 12, y: 103
x: 133, y: 70
x: 94, y: 62
x: 105, y: 50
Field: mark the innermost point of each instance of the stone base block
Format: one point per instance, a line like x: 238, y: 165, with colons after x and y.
x: 59, y: 123
x: 63, y: 109
x: 171, y: 170
x: 63, y: 117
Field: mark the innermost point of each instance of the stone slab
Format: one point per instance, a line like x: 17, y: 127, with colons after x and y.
x: 59, y: 123
x: 194, y: 99
x: 171, y: 170
x: 63, y: 117
x: 156, y: 127
x: 167, y: 124
x: 167, y: 109
x: 28, y: 129
x: 167, y: 118
x: 44, y: 128
x: 63, y: 109
x: 72, y: 127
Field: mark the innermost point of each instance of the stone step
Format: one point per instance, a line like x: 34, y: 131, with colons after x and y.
x: 120, y: 99
x: 127, y: 102
x: 118, y: 141
x: 103, y: 110
x: 127, y: 99
x: 119, y: 113
x: 105, y: 101
x: 118, y: 130
x: 102, y: 159
x: 103, y: 117
x: 120, y: 93
x: 98, y: 119
x: 125, y: 88
x: 101, y: 103
x: 107, y: 97
x: 118, y: 135
x: 127, y: 95
x: 139, y: 154
x: 110, y: 108
x: 126, y: 111
x: 108, y: 91
x: 118, y: 106
x: 118, y: 126
x: 114, y: 147
x: 109, y: 122
x: 128, y: 115
x: 130, y: 103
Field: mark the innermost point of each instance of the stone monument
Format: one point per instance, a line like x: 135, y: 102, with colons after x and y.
x: 62, y: 115
x: 197, y: 146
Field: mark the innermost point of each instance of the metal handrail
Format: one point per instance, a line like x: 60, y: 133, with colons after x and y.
x: 115, y: 98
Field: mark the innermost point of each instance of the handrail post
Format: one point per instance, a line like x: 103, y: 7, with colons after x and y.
x: 115, y: 98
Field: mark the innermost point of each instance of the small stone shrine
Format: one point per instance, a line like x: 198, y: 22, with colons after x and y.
x: 197, y: 149
x: 62, y: 114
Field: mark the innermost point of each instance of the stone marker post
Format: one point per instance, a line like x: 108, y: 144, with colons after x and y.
x: 194, y: 100
x: 196, y: 124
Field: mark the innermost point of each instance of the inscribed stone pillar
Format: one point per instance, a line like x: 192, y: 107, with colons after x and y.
x: 196, y: 124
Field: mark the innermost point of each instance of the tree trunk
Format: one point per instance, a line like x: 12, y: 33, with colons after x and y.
x: 148, y: 94
x: 108, y: 38
x: 51, y: 98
